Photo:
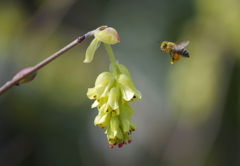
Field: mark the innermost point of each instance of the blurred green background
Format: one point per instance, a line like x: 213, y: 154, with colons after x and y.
x: 188, y: 114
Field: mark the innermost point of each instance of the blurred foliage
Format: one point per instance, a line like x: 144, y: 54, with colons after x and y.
x: 189, y: 113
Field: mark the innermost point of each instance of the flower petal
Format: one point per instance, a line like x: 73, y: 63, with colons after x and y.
x: 104, y: 78
x: 127, y: 93
x: 126, y: 80
x: 91, y: 50
x: 103, y: 84
x: 124, y: 70
x: 126, y: 111
x: 103, y: 109
x: 91, y: 93
x: 125, y: 125
x: 114, y: 123
x: 133, y: 125
x: 114, y: 98
x: 127, y: 87
x: 102, y: 120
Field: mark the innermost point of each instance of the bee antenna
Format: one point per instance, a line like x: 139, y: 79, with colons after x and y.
x: 158, y: 42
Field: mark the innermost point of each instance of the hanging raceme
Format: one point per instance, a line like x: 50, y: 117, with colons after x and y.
x: 112, y: 93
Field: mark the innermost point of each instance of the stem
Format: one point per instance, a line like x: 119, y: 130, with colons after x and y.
x: 8, y: 85
x: 111, y: 56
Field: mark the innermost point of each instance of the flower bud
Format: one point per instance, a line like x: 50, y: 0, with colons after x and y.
x: 26, y: 79
x: 108, y: 35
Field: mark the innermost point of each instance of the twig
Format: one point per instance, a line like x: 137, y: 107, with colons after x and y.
x: 8, y: 85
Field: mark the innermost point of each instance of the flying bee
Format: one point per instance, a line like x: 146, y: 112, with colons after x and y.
x: 175, y: 50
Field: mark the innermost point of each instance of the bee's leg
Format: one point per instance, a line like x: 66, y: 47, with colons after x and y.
x: 172, y: 56
x: 173, y: 61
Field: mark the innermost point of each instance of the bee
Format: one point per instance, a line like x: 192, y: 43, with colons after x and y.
x: 175, y: 50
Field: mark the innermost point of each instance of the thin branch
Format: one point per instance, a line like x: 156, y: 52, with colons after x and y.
x: 8, y: 85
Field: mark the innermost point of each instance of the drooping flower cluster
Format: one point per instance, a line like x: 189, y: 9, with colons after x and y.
x: 112, y: 93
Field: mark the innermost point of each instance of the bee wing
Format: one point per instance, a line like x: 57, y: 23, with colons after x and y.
x: 183, y: 44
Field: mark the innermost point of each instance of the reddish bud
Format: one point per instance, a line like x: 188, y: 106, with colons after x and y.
x: 26, y: 79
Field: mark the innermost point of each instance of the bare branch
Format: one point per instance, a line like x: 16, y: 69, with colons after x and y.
x: 8, y: 85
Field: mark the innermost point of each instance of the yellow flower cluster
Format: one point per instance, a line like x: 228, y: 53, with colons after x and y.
x: 112, y: 94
